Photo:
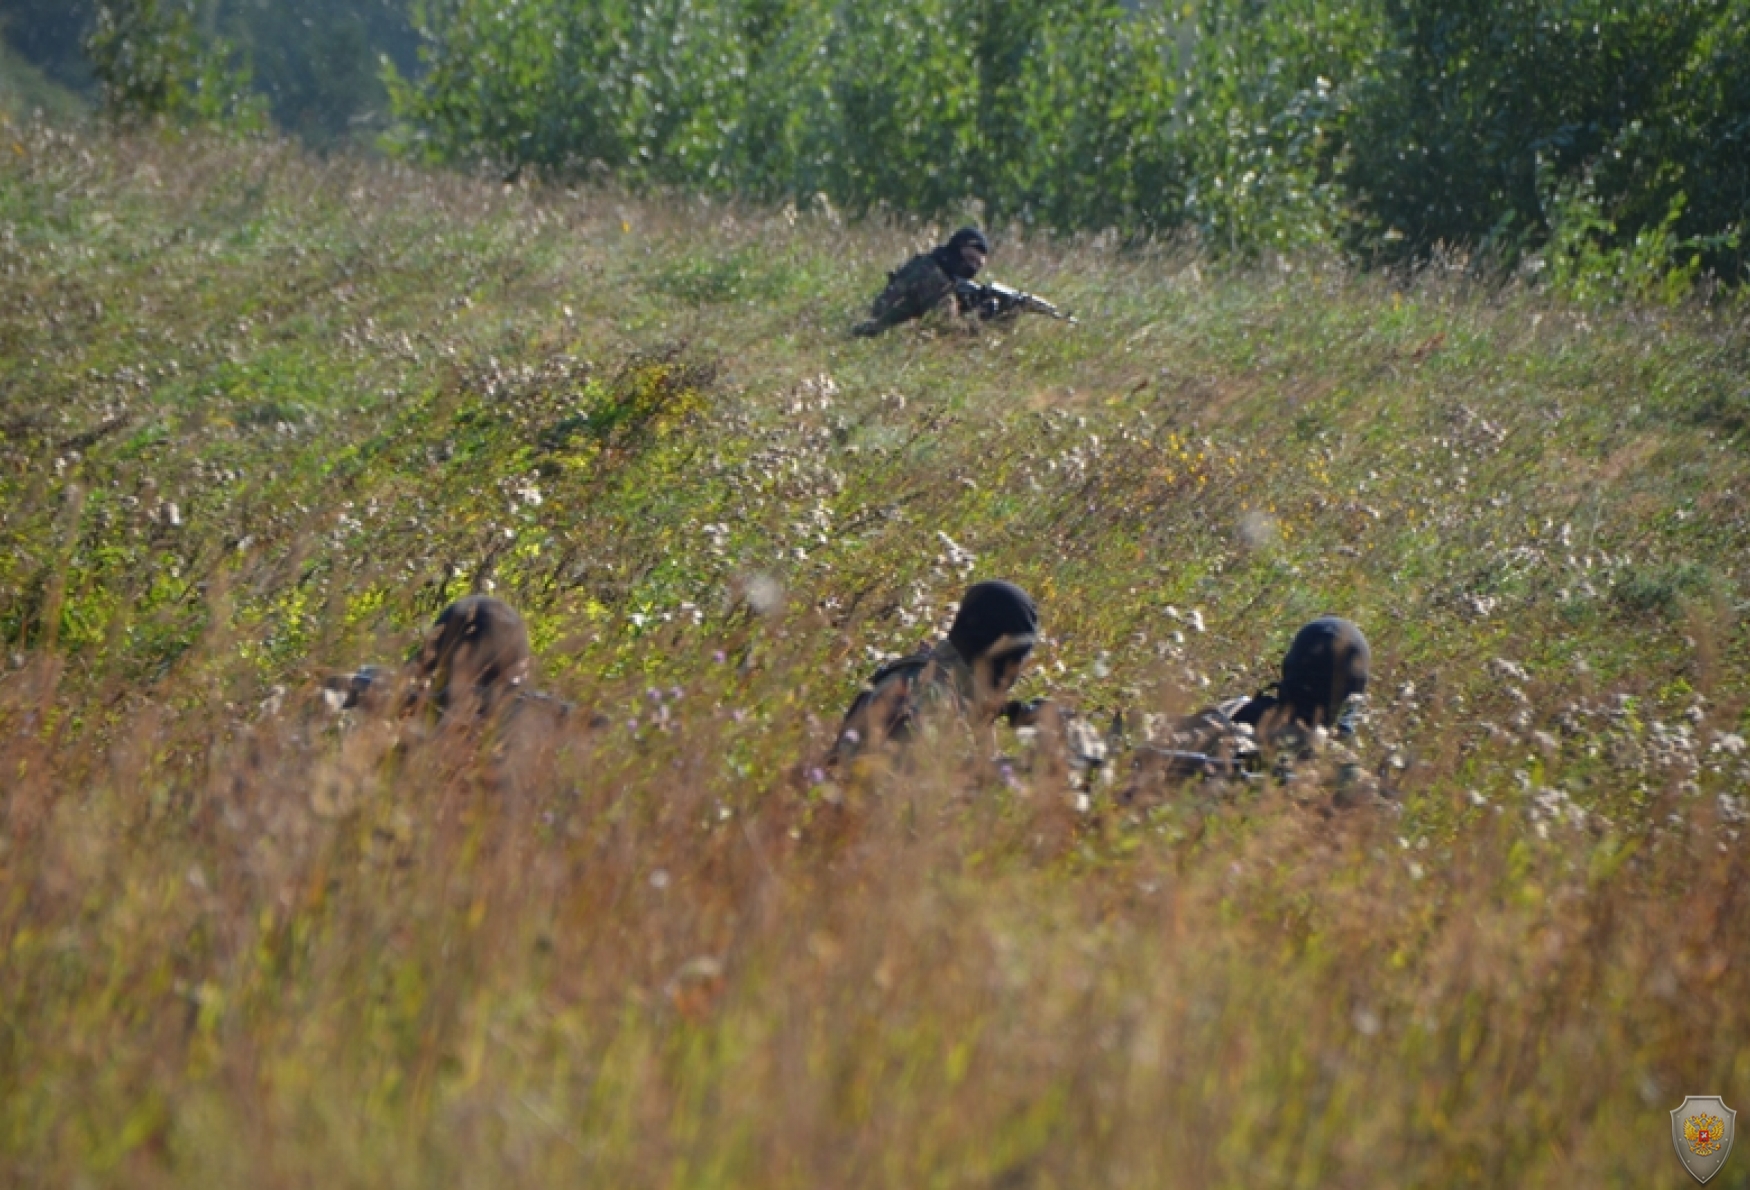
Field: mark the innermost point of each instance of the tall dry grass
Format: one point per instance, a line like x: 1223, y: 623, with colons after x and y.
x: 294, y: 953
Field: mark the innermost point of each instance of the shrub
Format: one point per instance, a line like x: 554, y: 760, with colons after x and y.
x: 1474, y: 115
x: 152, y: 62
x: 1052, y: 112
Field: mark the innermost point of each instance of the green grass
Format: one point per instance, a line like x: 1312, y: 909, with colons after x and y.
x: 246, y: 944
x: 25, y: 93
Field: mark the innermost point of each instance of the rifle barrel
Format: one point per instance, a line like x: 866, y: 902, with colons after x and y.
x: 1193, y: 763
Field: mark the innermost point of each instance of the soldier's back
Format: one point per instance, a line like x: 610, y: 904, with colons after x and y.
x: 899, y: 700
x: 913, y: 290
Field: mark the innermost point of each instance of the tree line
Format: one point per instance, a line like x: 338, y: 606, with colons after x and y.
x: 1601, y: 140
x: 314, y: 66
x: 1603, y: 144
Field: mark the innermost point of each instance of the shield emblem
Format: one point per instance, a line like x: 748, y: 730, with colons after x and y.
x: 1702, y: 1129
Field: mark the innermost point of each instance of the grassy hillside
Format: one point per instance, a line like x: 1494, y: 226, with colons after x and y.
x: 25, y: 91
x: 262, y: 415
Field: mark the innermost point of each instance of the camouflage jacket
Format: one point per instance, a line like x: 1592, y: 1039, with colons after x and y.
x: 1305, y: 760
x: 906, y: 698
x: 919, y: 286
x: 377, y: 691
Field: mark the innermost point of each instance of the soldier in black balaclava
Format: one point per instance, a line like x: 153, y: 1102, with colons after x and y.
x: 967, y: 676
x: 928, y: 281
x: 1308, y: 715
x: 474, y: 659
x: 1326, y: 666
x: 476, y: 655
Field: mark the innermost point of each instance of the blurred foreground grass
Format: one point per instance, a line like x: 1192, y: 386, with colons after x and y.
x: 261, y: 415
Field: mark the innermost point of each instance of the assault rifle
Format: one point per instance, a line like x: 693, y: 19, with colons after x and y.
x: 1086, y: 749
x: 1174, y: 763
x: 993, y: 300
x: 1090, y: 751
x: 374, y: 686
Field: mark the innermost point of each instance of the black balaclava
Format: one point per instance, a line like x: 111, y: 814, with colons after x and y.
x: 990, y: 612
x: 949, y: 257
x: 479, y: 647
x: 1325, y: 666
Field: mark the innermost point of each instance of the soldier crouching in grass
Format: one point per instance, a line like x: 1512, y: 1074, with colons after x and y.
x: 1303, y: 723
x: 468, y: 687
x: 474, y: 664
x: 927, y: 282
x: 963, y: 681
x: 942, y: 279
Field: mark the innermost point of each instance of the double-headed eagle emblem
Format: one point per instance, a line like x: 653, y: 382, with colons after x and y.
x: 1702, y: 1128
x: 1703, y: 1134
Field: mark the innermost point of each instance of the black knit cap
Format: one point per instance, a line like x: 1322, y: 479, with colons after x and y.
x: 478, y: 646
x: 990, y: 612
x: 953, y: 261
x: 1326, y: 664
x: 969, y: 235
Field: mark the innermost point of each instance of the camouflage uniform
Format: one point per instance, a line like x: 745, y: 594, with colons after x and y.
x: 474, y: 659
x: 1325, y: 669
x: 918, y: 287
x: 906, y: 698
x: 924, y: 283
x: 962, y: 679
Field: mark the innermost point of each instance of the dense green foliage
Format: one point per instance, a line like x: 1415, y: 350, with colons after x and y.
x: 918, y: 104
x: 1483, y: 122
x: 316, y: 63
x: 153, y: 62
x: 1390, y: 126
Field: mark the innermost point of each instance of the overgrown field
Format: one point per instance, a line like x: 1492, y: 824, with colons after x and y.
x: 261, y: 415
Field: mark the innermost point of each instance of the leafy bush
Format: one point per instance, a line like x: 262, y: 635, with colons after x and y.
x: 1053, y: 112
x: 153, y: 62
x: 1474, y: 115
x: 1266, y: 97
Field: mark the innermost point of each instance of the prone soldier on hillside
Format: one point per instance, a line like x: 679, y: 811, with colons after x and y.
x: 944, y: 278
x: 473, y: 664
x: 1303, y: 721
x: 964, y: 679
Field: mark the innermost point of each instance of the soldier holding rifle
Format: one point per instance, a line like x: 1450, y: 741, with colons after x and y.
x: 944, y: 278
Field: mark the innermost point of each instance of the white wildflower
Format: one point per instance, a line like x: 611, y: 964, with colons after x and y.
x: 764, y: 594
x: 1511, y: 669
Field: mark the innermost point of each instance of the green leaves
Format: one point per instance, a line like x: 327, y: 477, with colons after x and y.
x: 1632, y: 114
x: 1392, y: 127
x: 153, y: 63
x: 1047, y: 112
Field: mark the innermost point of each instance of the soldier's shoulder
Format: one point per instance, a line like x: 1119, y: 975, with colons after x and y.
x: 922, y: 268
x: 899, y: 669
